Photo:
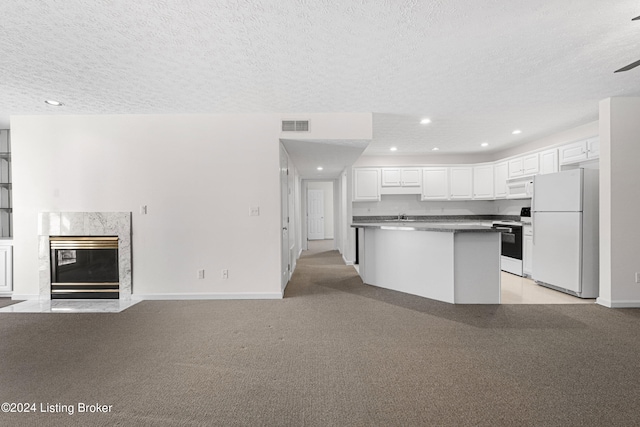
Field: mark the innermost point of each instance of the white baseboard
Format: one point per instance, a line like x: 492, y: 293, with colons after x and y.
x: 346, y: 261
x: 618, y: 304
x: 230, y: 296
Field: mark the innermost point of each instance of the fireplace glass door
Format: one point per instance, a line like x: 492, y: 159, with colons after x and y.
x: 84, y: 267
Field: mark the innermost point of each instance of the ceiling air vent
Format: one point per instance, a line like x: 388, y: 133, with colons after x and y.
x: 295, y: 126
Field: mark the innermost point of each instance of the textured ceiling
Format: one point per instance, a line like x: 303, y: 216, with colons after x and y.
x: 478, y: 69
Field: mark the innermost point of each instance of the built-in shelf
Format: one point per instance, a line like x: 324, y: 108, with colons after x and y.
x: 6, y: 189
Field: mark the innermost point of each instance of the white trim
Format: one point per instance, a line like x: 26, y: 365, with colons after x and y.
x: 346, y: 261
x: 7, y: 294
x: 25, y: 297
x: 229, y: 296
x: 618, y: 304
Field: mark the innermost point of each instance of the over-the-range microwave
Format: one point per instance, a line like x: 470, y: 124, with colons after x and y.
x: 521, y: 189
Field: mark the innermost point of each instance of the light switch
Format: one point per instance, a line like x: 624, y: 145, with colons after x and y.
x: 143, y: 209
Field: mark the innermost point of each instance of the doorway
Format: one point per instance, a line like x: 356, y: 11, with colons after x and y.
x: 320, y: 210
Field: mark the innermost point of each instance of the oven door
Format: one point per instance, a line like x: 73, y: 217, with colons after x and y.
x: 511, y: 240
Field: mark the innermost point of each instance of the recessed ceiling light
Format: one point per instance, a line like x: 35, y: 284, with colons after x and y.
x: 393, y: 148
x: 425, y: 121
x: 435, y: 149
x: 484, y: 144
x: 320, y: 168
x: 517, y: 131
x: 53, y: 103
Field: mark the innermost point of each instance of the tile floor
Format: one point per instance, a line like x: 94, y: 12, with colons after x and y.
x: 520, y: 290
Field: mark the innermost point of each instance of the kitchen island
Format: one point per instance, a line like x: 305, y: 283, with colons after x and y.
x: 451, y: 262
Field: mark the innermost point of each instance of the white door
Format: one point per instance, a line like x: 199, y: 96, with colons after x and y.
x: 483, y: 182
x: 435, y: 183
x: 366, y: 182
x: 284, y: 222
x: 315, y: 213
x: 549, y: 161
x: 558, y: 192
x: 461, y: 183
x: 500, y: 176
x: 557, y: 242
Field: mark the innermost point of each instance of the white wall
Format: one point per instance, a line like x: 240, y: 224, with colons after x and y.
x: 619, y: 202
x: 327, y: 190
x: 198, y: 174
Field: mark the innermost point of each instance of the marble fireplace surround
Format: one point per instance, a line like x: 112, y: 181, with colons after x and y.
x: 85, y: 224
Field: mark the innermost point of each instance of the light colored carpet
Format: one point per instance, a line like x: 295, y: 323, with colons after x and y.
x: 334, y: 352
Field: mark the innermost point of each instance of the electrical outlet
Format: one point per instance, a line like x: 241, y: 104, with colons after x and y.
x: 200, y: 274
x: 637, y: 277
x: 255, y: 211
x: 225, y: 274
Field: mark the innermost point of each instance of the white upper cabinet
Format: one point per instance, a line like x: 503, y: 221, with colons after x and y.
x: 411, y: 177
x: 435, y: 183
x: 573, y: 153
x: 461, y: 182
x: 549, y: 161
x: 507, y: 178
x: 401, y: 177
x: 483, y: 182
x: 516, y: 167
x: 500, y: 174
x: 524, y: 166
x: 580, y: 151
x: 366, y: 184
x: 531, y: 164
x: 391, y: 177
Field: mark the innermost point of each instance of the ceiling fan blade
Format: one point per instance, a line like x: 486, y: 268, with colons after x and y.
x: 636, y: 18
x: 628, y: 67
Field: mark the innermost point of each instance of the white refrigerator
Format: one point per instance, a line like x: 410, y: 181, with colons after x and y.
x: 565, y: 232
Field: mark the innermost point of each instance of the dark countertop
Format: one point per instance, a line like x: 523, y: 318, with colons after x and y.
x: 438, y: 218
x: 451, y: 227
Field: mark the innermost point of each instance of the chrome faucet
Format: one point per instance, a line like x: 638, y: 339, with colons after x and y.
x: 402, y: 217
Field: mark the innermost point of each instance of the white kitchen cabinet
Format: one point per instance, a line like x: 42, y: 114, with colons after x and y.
x: 366, y: 184
x: 573, y: 153
x: 391, y: 177
x: 483, y: 182
x: 549, y: 161
x: 500, y: 174
x: 401, y: 177
x: 461, y: 182
x: 435, y: 183
x: 580, y: 151
x: 411, y: 177
x: 524, y: 166
x: 530, y: 164
x: 516, y: 168
x: 6, y: 270
x: 527, y: 250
